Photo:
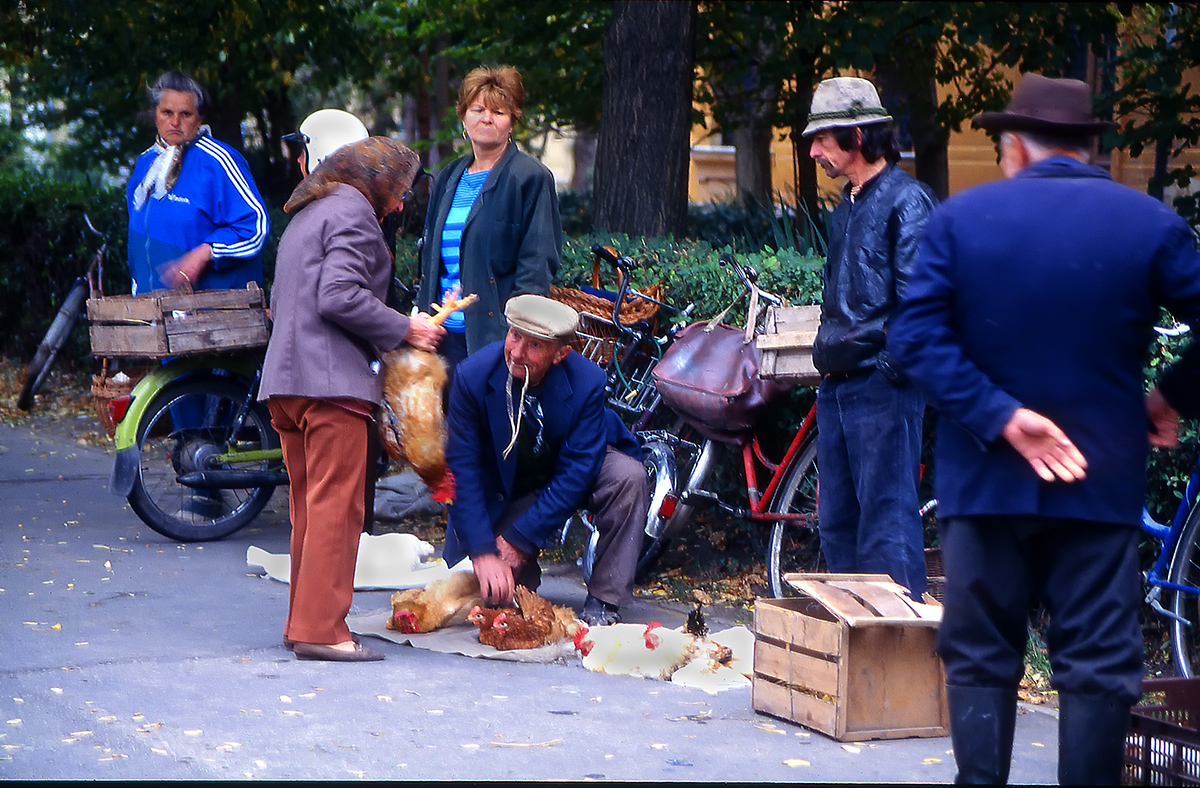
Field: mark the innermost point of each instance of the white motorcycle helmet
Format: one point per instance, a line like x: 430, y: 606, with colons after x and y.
x: 326, y: 130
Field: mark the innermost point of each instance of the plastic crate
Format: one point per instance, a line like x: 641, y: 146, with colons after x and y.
x: 1162, y: 746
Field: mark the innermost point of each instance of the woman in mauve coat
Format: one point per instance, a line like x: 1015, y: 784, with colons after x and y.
x: 329, y: 324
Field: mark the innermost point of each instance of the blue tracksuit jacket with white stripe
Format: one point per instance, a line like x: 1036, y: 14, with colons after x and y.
x: 214, y: 201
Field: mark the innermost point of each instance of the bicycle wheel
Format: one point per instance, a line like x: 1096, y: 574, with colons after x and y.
x: 794, y: 545
x: 52, y: 343
x: 1185, y: 571
x: 694, y: 465
x: 185, y: 425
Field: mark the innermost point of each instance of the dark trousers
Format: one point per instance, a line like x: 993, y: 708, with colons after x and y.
x: 618, y: 503
x: 1086, y: 575
x: 869, y: 455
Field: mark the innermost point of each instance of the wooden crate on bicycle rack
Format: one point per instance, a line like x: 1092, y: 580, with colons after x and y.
x: 786, y: 344
x: 852, y: 657
x: 166, y: 323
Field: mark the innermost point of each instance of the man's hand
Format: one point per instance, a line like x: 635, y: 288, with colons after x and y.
x: 1164, y: 420
x: 423, y: 333
x: 495, y: 578
x: 1044, y: 446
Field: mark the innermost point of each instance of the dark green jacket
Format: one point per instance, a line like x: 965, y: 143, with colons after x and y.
x: 511, y: 243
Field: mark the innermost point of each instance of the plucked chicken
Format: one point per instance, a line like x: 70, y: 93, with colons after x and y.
x: 413, y: 428
x: 419, y: 610
x: 651, y: 651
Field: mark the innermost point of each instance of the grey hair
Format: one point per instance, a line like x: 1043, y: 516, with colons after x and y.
x: 1043, y: 146
x: 182, y: 83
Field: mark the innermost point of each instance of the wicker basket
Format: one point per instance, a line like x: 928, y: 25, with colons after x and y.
x: 105, y: 388
x: 597, y: 335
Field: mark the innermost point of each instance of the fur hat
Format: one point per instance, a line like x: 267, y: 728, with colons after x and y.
x: 1049, y: 106
x: 379, y: 167
x: 844, y: 101
x: 541, y: 317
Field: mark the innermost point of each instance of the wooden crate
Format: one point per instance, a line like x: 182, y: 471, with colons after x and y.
x: 164, y: 323
x: 853, y: 658
x: 787, y: 344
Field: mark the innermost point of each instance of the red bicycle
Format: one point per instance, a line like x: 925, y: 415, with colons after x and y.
x: 783, y: 493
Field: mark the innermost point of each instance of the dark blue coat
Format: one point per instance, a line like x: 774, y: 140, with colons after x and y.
x: 575, y: 421
x: 1042, y: 291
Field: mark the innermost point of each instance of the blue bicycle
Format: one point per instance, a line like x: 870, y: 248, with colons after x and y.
x: 1173, y: 583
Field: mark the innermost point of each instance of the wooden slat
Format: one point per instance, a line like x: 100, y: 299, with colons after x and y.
x: 796, y: 668
x: 115, y: 309
x: 211, y: 299
x: 815, y: 713
x: 131, y: 340
x: 786, y: 620
x: 787, y: 340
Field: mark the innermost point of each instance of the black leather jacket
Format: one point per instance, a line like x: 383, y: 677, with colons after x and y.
x: 872, y: 248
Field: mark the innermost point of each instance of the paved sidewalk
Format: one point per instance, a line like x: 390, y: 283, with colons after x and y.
x: 129, y: 656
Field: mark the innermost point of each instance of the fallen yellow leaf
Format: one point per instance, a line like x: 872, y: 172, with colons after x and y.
x: 796, y: 762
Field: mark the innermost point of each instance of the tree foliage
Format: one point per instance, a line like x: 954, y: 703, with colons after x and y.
x: 764, y: 60
x: 1154, y: 105
x: 84, y: 67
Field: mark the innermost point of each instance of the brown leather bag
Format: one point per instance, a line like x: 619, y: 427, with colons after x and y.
x: 709, y: 376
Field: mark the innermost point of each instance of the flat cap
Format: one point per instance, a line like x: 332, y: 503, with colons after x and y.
x: 541, y: 317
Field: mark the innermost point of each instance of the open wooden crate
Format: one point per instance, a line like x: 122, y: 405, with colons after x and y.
x: 786, y: 345
x: 166, y: 323
x: 853, y: 658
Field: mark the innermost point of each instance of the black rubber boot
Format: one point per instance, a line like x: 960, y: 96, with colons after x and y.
x: 1091, y: 739
x: 981, y: 729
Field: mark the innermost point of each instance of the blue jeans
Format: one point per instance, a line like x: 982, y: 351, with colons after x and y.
x: 869, y: 456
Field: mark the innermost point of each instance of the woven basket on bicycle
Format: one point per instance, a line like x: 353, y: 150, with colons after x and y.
x: 597, y: 333
x: 106, y: 387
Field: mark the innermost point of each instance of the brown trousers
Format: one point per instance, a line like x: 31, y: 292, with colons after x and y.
x: 326, y: 450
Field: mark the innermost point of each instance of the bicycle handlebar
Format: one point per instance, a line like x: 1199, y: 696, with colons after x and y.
x: 749, y: 277
x: 610, y: 255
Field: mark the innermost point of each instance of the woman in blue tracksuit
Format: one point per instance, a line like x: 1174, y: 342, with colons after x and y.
x: 195, y: 215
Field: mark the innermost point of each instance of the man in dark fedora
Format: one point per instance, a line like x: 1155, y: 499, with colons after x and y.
x: 1026, y: 322
x: 869, y: 416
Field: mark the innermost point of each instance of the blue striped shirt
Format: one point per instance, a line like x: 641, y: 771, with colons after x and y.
x: 465, y: 195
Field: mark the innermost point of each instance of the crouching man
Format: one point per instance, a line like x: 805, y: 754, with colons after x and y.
x: 530, y: 441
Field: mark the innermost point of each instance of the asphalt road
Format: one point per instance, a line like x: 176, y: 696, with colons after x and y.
x: 124, y: 655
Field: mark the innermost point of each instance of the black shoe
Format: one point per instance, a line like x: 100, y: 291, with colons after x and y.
x: 317, y: 651
x: 599, y: 614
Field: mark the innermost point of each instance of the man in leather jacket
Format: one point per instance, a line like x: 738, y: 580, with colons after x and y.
x: 868, y: 416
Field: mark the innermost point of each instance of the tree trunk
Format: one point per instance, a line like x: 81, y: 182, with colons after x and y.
x: 583, y: 158
x: 931, y: 141
x: 752, y: 162
x: 643, y: 155
x: 804, y: 169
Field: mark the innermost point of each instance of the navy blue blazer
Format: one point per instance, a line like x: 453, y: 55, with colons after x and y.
x: 1042, y: 291
x: 575, y: 421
